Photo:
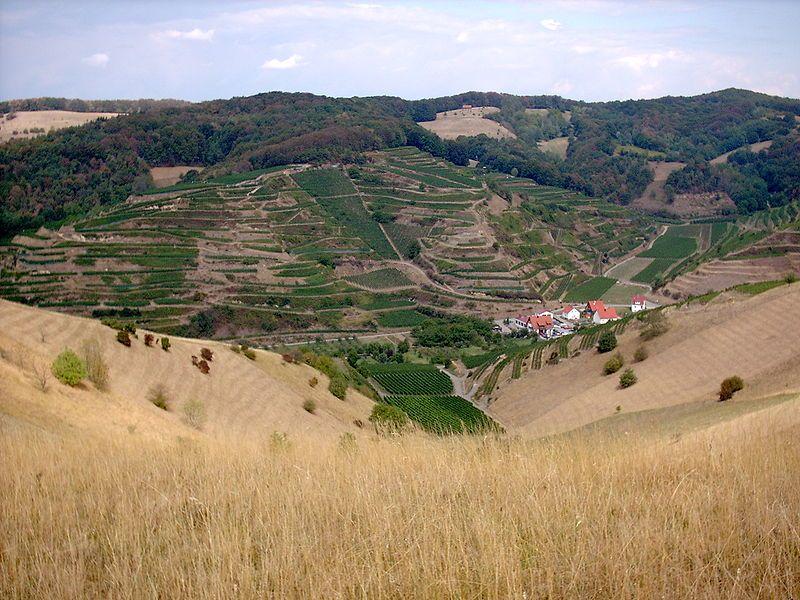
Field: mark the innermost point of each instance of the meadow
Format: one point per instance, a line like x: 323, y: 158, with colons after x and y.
x: 582, y: 516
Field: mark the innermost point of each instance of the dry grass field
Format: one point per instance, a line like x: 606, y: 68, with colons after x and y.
x: 757, y: 147
x: 105, y: 496
x: 711, y: 516
x: 720, y: 274
x: 166, y: 176
x: 467, y: 121
x: 241, y: 398
x: 557, y: 146
x: 47, y: 120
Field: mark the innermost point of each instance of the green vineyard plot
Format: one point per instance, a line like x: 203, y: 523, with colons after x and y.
x: 444, y: 415
x: 411, y: 379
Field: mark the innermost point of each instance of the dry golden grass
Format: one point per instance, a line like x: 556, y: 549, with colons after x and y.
x: 416, y: 517
x: 49, y: 120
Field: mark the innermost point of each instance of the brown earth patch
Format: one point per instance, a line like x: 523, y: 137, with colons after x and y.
x: 166, y: 176
x: 467, y: 121
x: 44, y: 120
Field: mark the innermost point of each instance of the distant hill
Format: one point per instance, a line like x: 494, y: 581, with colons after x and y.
x: 608, y: 144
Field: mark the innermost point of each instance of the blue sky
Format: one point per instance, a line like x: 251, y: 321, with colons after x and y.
x: 584, y: 49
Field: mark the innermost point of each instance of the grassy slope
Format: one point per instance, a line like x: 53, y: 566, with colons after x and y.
x: 242, y: 398
x: 705, y: 344
x: 105, y: 496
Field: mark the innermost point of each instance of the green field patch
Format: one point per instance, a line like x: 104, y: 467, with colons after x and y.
x: 671, y: 246
x: 653, y: 271
x: 444, y: 415
x: 324, y: 182
x: 411, y: 379
x: 401, y: 318
x: 382, y: 279
x: 590, y: 290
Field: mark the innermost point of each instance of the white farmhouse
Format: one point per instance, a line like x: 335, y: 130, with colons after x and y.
x: 638, y: 302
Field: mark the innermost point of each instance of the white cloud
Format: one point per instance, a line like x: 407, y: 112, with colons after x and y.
x: 193, y: 34
x: 649, y: 60
x: 551, y: 24
x: 363, y: 6
x: 295, y: 60
x: 97, y: 60
x: 562, y: 88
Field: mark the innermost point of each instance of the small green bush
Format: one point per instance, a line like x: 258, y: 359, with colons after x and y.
x: 194, y: 414
x: 313, y: 382
x: 729, y: 387
x: 96, y: 367
x: 68, y: 368
x: 124, y: 338
x: 613, y: 364
x: 157, y: 396
x: 165, y: 344
x: 387, y: 418
x: 309, y: 406
x: 149, y: 338
x: 627, y: 379
x: 607, y: 341
x: 640, y: 354
x: 338, y: 387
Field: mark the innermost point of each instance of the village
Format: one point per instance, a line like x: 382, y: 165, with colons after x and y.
x: 551, y: 324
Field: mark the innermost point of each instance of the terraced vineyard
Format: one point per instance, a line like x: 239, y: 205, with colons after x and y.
x: 294, y: 252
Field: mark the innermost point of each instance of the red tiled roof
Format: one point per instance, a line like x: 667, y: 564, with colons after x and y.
x: 566, y: 309
x: 608, y: 313
x: 638, y: 299
x: 541, y: 321
x: 596, y: 305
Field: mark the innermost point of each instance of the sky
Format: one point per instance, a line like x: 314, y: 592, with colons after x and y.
x: 581, y: 49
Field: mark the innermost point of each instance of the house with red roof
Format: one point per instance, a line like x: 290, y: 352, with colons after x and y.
x: 604, y: 315
x: 638, y: 302
x: 541, y: 323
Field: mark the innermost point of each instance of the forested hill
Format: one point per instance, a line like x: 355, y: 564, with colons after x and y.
x: 70, y: 171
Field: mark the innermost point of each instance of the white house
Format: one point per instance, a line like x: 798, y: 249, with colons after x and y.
x: 638, y: 302
x: 570, y: 313
x: 604, y: 315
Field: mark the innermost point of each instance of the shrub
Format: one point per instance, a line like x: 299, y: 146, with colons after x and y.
x: 165, y: 345
x: 729, y: 387
x: 287, y: 358
x: 640, y: 354
x: 790, y: 278
x: 124, y: 338
x: 149, y: 338
x: 613, y: 364
x: 41, y: 376
x: 203, y: 366
x: 309, y: 406
x: 313, y: 382
x: 656, y: 325
x: 607, y: 342
x: 68, y: 368
x: 194, y: 414
x: 338, y: 387
x: 96, y: 367
x: 207, y: 354
x: 249, y: 352
x: 627, y: 379
x: 388, y: 419
x: 157, y: 396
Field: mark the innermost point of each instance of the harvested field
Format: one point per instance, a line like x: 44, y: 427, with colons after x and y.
x: 721, y: 274
x: 620, y: 293
x: 557, y: 146
x: 166, y: 176
x: 627, y: 270
x: 467, y: 121
x: 30, y: 123
x: 757, y: 147
x: 653, y: 198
